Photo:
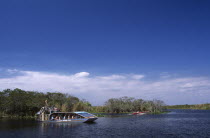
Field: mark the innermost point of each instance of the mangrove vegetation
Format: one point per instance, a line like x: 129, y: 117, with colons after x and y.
x: 20, y: 103
x: 129, y: 104
x: 194, y: 106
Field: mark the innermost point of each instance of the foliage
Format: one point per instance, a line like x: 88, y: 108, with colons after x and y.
x: 18, y: 102
x: 129, y: 104
x: 186, y: 106
x: 22, y: 103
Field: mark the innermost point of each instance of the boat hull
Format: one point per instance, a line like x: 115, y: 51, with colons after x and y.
x: 90, y: 120
x: 83, y: 120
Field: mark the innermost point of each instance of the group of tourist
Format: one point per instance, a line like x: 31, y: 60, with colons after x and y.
x: 65, y: 117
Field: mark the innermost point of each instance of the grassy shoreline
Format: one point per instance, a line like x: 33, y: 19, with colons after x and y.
x: 104, y: 114
x: 196, y: 106
x: 98, y: 114
x: 15, y: 116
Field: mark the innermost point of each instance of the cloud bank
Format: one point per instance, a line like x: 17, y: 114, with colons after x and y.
x: 97, y: 89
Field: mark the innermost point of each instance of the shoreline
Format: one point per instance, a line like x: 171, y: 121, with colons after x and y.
x: 98, y: 114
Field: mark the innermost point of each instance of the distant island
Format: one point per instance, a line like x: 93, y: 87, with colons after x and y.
x: 194, y: 106
x: 21, y: 103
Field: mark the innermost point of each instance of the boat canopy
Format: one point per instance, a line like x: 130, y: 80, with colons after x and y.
x: 84, y: 114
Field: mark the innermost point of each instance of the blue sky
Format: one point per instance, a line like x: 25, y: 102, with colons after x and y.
x: 105, y: 38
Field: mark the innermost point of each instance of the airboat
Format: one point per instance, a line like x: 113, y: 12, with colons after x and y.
x: 52, y: 114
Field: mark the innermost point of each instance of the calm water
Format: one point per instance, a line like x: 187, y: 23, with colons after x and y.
x: 178, y: 123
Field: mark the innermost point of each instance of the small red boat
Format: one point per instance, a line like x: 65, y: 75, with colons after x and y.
x: 138, y: 113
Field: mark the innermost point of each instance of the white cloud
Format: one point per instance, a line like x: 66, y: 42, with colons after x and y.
x: 97, y: 89
x: 112, y: 77
x: 82, y: 74
x: 137, y: 76
x: 11, y: 71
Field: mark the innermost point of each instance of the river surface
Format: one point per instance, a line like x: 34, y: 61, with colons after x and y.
x: 177, y: 123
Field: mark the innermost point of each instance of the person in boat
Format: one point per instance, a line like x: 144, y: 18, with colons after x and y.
x: 56, y: 118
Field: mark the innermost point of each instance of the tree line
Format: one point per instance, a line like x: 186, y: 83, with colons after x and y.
x: 186, y: 106
x: 18, y: 102
x: 129, y: 104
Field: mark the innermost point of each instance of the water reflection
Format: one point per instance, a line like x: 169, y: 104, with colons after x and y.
x: 7, y: 123
x: 69, y: 125
x: 57, y: 129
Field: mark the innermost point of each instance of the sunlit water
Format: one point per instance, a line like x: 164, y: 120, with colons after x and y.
x: 178, y: 123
